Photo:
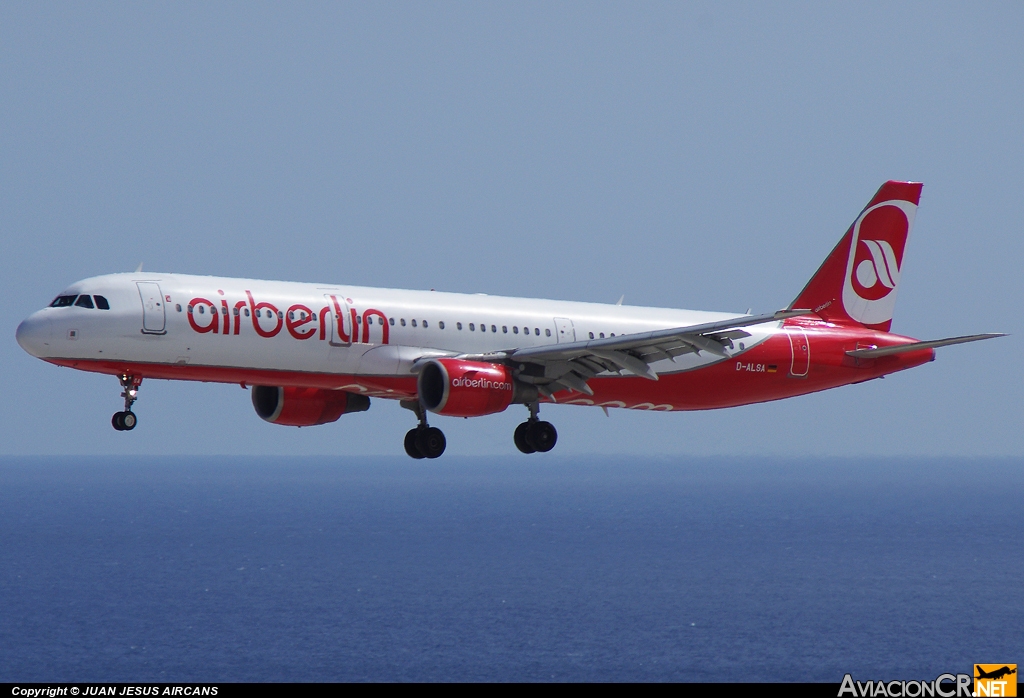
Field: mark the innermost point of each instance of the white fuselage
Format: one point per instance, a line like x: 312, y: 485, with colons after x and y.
x: 322, y: 328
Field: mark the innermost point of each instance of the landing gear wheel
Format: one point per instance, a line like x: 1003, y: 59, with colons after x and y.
x: 430, y: 442
x: 126, y: 421
x: 519, y: 436
x: 542, y: 436
x: 410, y: 444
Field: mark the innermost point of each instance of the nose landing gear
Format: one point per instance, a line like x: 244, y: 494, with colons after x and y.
x: 424, y: 441
x: 533, y: 435
x: 126, y: 421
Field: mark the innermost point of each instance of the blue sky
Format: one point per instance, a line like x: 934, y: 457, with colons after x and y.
x: 706, y: 155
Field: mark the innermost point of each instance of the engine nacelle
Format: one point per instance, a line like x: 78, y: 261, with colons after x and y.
x: 305, y: 407
x: 460, y: 388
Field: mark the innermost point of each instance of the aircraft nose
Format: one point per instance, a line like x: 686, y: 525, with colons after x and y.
x: 34, y: 334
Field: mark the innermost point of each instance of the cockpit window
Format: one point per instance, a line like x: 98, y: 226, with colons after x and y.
x: 101, y: 303
x: 62, y: 301
x: 84, y: 301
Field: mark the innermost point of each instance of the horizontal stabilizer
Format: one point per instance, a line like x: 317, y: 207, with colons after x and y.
x: 915, y: 346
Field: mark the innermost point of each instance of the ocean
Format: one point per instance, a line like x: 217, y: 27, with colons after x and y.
x: 508, y: 569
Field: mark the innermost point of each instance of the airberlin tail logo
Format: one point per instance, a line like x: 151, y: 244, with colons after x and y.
x: 878, y: 275
x: 876, y: 256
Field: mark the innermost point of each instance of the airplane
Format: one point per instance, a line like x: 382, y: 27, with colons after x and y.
x: 313, y: 352
x: 995, y: 674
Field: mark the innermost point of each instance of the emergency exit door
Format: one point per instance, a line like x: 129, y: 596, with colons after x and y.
x: 564, y: 330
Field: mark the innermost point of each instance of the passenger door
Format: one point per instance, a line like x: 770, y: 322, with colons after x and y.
x: 801, y: 352
x: 154, y: 320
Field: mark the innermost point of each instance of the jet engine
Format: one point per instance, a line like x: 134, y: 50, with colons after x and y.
x: 458, y: 388
x: 305, y: 407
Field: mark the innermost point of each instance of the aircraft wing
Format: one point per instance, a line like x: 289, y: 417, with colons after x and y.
x: 569, y: 366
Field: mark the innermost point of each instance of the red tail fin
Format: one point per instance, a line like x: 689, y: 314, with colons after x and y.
x: 858, y: 281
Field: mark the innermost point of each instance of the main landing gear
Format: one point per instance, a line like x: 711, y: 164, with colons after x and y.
x: 533, y: 435
x: 424, y: 441
x: 126, y: 421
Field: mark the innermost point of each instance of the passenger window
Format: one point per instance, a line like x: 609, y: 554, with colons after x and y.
x: 547, y: 333
x: 441, y: 324
x: 202, y: 310
x: 236, y: 310
x: 425, y: 324
x: 602, y: 335
x: 591, y: 335
x: 247, y: 312
x: 178, y: 306
x: 63, y: 301
x: 504, y: 329
x: 483, y: 328
x: 391, y: 321
x: 472, y: 327
x: 613, y: 334
x: 84, y: 301
x: 402, y: 322
x: 536, y: 331
x: 280, y: 314
x: 493, y: 328
x: 102, y: 304
x: 223, y: 310
x: 414, y: 323
x: 458, y: 325
x: 515, y: 329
